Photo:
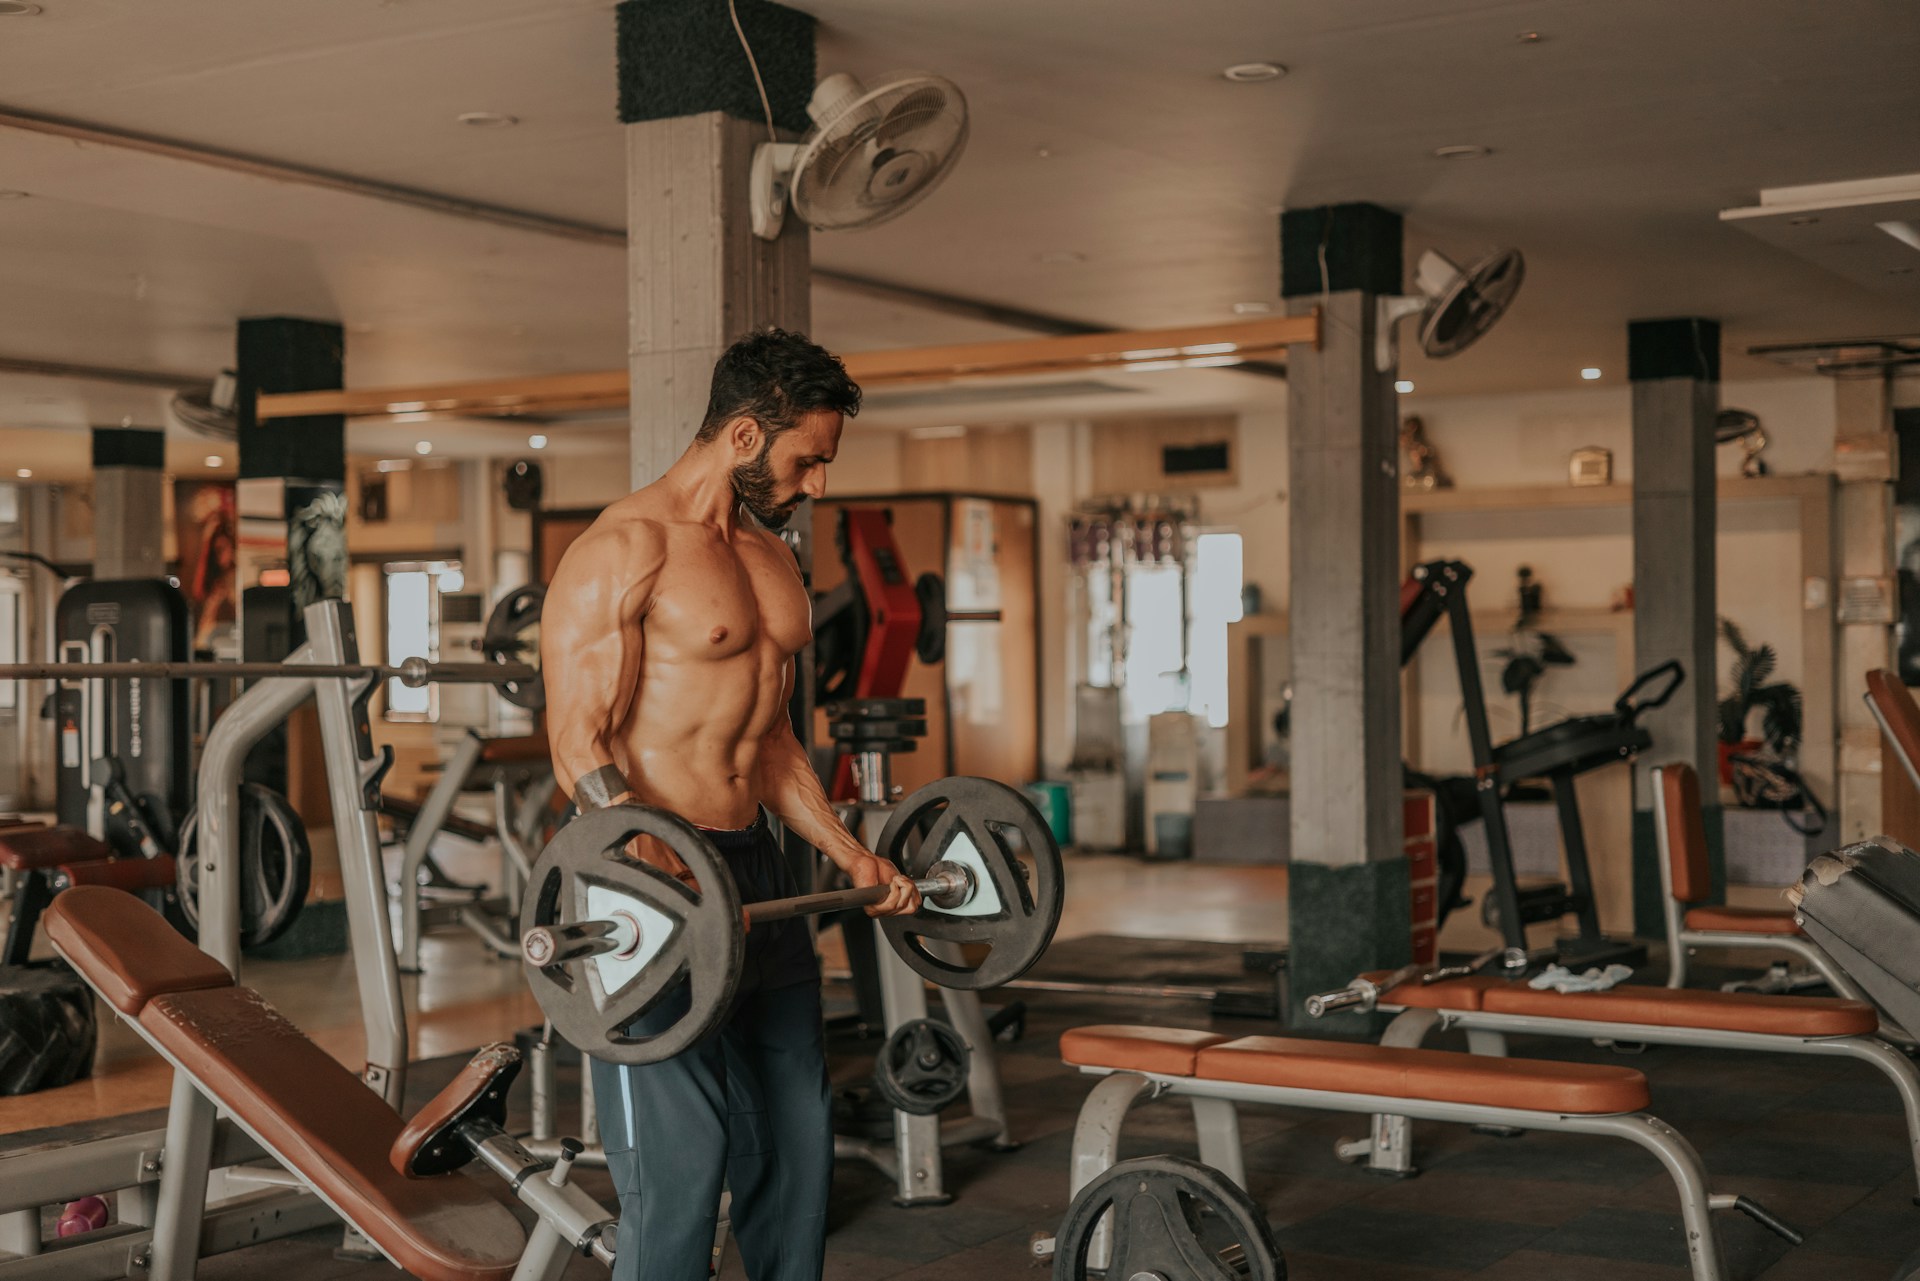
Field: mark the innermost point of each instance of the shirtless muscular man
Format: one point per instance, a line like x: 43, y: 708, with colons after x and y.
x: 668, y: 643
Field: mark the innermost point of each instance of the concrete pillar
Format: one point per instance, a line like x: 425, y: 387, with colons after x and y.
x: 1675, y: 369
x: 698, y: 278
x: 1348, y: 902
x: 1864, y: 455
x: 129, y: 470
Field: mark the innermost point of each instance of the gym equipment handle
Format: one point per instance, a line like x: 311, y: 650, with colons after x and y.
x: 1345, y: 998
x: 414, y: 672
x: 946, y: 885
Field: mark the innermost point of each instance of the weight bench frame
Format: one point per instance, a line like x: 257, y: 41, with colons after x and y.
x: 1390, y: 1149
x: 1096, y: 1137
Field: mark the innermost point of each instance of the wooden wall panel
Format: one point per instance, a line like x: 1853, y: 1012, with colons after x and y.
x: 983, y: 461
x: 1127, y: 453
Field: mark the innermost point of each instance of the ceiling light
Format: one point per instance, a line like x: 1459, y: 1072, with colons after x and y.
x: 1403, y: 387
x: 1253, y: 309
x: 487, y: 119
x: 1043, y: 153
x: 214, y: 460
x: 1209, y: 348
x: 1250, y: 73
x: 1530, y: 37
x: 536, y: 442
x: 1904, y: 232
x: 25, y: 473
x: 1211, y: 362
x: 1463, y: 151
x: 17, y: 9
x: 426, y: 446
x: 1590, y: 373
x: 952, y: 432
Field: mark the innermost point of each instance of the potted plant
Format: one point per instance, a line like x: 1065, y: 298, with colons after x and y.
x: 1777, y: 701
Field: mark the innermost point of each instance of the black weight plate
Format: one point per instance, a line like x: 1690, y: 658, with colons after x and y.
x: 702, y: 954
x: 988, y: 814
x: 1172, y: 1218
x: 868, y: 709
x: 922, y: 1067
x: 930, y: 643
x: 276, y: 864
x: 513, y: 636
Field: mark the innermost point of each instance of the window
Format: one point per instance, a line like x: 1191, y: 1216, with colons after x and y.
x: 1217, y: 584
x: 413, y: 630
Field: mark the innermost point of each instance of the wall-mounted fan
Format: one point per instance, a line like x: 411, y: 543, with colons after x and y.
x: 1742, y: 426
x: 871, y: 155
x: 208, y: 412
x: 1455, y: 307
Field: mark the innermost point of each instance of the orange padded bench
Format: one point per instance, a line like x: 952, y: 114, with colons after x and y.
x: 1215, y: 1074
x: 1487, y: 1008
x: 311, y: 1113
x: 37, y: 848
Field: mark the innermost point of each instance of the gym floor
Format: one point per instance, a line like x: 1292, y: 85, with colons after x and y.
x: 1817, y: 1141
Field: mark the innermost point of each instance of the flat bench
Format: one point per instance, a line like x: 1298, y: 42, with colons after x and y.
x: 310, y: 1113
x: 1487, y: 1007
x: 43, y: 857
x: 1216, y: 1073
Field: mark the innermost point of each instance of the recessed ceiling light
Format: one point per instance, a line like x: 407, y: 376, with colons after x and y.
x: 488, y: 119
x: 214, y: 460
x: 536, y: 442
x: 25, y: 473
x: 1252, y: 308
x: 423, y: 447
x: 17, y: 9
x: 1403, y: 387
x: 1061, y: 257
x: 1250, y: 73
x: 1463, y: 151
x: 1530, y: 37
x: 1043, y: 153
x: 1590, y: 373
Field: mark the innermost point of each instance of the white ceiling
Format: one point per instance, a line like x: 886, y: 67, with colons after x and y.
x: 1617, y: 138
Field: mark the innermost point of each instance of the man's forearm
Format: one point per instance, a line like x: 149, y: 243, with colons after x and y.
x: 792, y: 791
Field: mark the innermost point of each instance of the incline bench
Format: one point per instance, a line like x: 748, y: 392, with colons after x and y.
x: 1487, y: 1007
x: 1215, y: 1073
x: 394, y: 1183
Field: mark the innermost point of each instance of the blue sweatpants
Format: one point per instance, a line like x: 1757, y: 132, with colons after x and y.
x: 749, y: 1104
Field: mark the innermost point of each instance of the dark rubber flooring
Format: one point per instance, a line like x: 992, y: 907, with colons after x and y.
x: 1818, y: 1141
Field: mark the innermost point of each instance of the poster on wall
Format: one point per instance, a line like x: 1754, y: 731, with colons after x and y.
x: 207, y: 536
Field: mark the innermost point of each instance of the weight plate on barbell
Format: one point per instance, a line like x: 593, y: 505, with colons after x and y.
x: 688, y: 942
x: 922, y: 1067
x: 1172, y: 1218
x: 276, y: 864
x: 982, y: 825
x: 513, y: 636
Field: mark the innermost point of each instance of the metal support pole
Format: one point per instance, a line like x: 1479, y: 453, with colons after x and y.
x: 434, y: 809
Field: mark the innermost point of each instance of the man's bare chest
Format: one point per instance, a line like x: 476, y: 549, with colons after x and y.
x: 718, y: 606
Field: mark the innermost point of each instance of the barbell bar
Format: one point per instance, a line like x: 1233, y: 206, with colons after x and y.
x: 413, y: 672
x: 946, y: 885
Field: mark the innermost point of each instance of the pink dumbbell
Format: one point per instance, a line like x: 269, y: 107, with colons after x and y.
x: 84, y: 1215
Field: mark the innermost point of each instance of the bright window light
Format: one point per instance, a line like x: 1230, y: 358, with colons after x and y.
x: 410, y: 628
x: 1218, y: 579
x: 1155, y: 649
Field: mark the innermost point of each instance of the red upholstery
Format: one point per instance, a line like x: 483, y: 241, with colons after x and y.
x: 92, y: 926
x: 1463, y: 993
x: 1440, y: 1076
x: 1680, y: 1007
x: 33, y: 849
x: 1743, y: 920
x: 1686, y: 833
x: 1165, y: 1051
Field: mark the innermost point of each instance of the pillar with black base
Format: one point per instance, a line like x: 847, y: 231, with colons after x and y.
x: 1348, y: 901
x: 1674, y: 366
x: 129, y: 469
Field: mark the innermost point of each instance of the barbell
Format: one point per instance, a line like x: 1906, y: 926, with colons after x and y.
x: 609, y: 938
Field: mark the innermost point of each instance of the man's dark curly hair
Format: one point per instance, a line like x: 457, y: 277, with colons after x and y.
x: 773, y: 376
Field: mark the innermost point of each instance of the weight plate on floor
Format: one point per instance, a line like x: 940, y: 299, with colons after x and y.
x: 275, y: 865
x: 513, y: 636
x: 922, y: 1067
x: 983, y: 825
x: 688, y: 942
x: 1172, y: 1218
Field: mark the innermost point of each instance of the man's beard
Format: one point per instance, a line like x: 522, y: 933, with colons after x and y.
x: 754, y: 486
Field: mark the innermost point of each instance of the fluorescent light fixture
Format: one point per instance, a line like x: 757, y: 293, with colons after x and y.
x: 393, y: 464
x: 1904, y: 232
x: 1253, y: 309
x: 214, y: 460
x: 952, y: 432
x: 1590, y: 373
x: 423, y: 448
x: 1211, y: 362
x: 1404, y: 387
x: 1151, y: 366
x: 1250, y: 73
x: 1150, y: 353
x: 25, y: 473
x: 1210, y: 348
x: 536, y: 442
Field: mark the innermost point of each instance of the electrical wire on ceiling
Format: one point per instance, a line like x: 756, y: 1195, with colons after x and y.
x: 754, y: 64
